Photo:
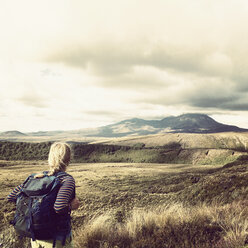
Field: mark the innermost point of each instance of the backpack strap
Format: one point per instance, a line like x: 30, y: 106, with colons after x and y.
x: 63, y: 241
x: 54, y: 242
x: 27, y: 179
x: 61, y: 173
x: 30, y: 222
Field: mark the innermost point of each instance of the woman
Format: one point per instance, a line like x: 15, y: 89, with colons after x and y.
x: 58, y: 160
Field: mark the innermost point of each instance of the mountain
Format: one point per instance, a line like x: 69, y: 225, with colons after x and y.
x: 46, y: 133
x: 186, y: 123
x: 13, y: 133
x: 197, y: 123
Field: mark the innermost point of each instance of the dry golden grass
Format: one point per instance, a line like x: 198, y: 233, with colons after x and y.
x: 171, y: 225
x: 133, y: 205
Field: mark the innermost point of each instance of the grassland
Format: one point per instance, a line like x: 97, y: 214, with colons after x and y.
x: 145, y: 205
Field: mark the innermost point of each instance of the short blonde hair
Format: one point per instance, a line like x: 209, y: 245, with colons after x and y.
x: 59, y: 157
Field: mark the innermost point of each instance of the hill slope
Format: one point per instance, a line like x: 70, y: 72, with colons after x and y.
x: 227, y: 140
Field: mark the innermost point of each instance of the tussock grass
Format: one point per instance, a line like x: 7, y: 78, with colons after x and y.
x: 170, y: 226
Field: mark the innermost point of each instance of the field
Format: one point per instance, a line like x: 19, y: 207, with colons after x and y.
x: 145, y: 205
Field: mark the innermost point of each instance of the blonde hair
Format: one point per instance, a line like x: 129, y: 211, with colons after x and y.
x: 59, y: 157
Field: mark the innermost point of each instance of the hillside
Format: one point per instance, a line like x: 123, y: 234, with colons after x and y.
x: 171, y: 152
x: 228, y: 140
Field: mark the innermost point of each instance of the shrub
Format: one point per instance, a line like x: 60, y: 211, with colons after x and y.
x: 138, y: 145
x: 172, y: 145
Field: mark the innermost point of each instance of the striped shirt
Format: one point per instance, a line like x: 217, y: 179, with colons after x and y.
x: 65, y: 195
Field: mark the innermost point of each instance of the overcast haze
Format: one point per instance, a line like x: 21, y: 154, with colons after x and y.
x: 76, y: 64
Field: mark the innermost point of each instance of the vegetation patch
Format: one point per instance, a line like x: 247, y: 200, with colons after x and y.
x: 169, y: 226
x: 172, y: 152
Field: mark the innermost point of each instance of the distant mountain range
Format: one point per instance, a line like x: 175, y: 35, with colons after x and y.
x: 186, y: 123
x: 12, y: 133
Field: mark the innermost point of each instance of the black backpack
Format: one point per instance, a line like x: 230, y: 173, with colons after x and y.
x: 35, y: 216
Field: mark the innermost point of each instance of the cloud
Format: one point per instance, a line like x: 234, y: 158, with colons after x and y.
x: 189, y: 76
x: 140, y: 78
x: 200, y: 93
x: 213, y: 102
x: 100, y: 58
x: 204, y: 39
x: 123, y: 58
x: 153, y: 66
x: 120, y: 57
x: 33, y: 101
x: 104, y: 113
x: 235, y: 106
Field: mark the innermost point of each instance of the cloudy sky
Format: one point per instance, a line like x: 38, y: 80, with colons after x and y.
x: 71, y: 64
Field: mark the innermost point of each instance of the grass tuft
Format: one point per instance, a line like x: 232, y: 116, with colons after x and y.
x: 170, y: 226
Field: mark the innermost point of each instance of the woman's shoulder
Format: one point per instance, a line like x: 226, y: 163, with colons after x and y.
x: 66, y: 180
x: 64, y: 176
